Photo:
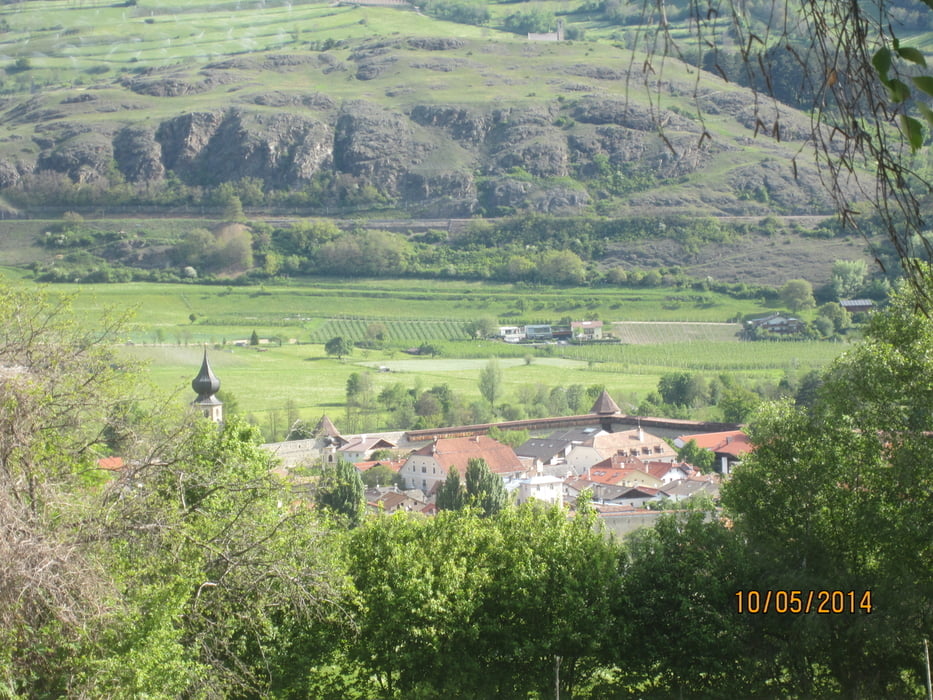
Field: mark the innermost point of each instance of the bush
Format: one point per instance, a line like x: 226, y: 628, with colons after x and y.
x: 461, y: 11
x: 20, y: 65
x: 533, y: 20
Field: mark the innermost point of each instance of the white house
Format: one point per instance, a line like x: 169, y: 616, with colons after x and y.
x: 511, y: 334
x: 548, y: 489
x: 427, y: 468
x: 361, y: 447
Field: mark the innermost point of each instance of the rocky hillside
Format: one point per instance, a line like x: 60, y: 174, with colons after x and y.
x: 430, y: 126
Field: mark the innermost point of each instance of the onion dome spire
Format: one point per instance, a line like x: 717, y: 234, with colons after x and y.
x: 206, y: 384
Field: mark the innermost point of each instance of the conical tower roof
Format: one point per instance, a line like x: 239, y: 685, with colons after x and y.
x: 604, y: 405
x: 326, y: 427
x: 206, y: 384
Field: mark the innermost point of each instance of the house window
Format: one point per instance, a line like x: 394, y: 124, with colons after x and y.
x: 424, y: 484
x: 424, y: 469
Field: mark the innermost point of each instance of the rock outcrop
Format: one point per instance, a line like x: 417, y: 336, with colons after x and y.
x: 441, y: 158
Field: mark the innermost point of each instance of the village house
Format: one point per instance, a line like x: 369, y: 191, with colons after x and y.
x: 698, y: 484
x: 544, y: 452
x: 775, y: 323
x: 539, y: 332
x: 427, y: 467
x: 541, y: 487
x: 635, y: 496
x: 322, y: 443
x: 729, y: 446
x: 856, y: 306
x: 587, y: 330
x: 596, y: 446
x: 630, y: 475
x: 391, y: 500
x: 361, y: 447
x: 605, y: 482
x: 669, y: 472
x: 511, y: 334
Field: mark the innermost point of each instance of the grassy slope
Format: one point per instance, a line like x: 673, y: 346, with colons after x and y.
x: 74, y: 46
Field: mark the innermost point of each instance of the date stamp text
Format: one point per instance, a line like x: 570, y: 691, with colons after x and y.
x: 831, y: 602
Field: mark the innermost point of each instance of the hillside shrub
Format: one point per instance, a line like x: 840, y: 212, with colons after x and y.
x: 462, y: 11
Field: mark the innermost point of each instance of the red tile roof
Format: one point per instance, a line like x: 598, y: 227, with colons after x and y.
x: 457, y: 452
x: 612, y: 476
x: 659, y: 469
x: 394, y: 465
x: 730, y: 442
x: 620, y: 461
x: 110, y: 463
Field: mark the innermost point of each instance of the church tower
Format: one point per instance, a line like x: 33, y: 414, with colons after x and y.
x: 205, y: 385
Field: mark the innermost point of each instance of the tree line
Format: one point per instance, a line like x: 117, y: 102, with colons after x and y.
x: 531, y: 249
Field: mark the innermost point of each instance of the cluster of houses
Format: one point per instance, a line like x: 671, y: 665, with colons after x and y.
x: 625, y: 462
x: 623, y: 466
x: 577, y: 331
x: 783, y: 325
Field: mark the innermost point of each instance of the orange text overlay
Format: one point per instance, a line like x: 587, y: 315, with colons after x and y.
x: 754, y: 602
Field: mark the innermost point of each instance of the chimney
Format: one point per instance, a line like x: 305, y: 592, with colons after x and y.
x: 641, y: 434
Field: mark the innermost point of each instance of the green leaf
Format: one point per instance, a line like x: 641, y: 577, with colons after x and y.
x: 882, y: 62
x: 925, y: 83
x: 898, y: 91
x: 913, y: 55
x: 913, y: 130
x: 926, y: 112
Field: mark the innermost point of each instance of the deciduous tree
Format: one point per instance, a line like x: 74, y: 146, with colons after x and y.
x: 848, y: 278
x: 797, y: 295
x: 338, y: 346
x: 491, y: 380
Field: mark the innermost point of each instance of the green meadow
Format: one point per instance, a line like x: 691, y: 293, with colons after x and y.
x: 289, y: 370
